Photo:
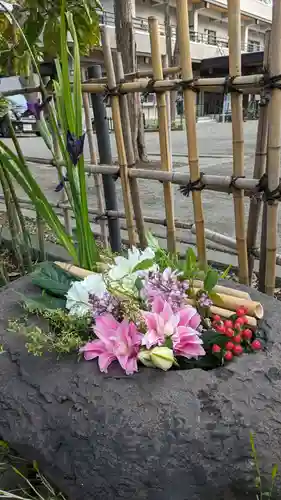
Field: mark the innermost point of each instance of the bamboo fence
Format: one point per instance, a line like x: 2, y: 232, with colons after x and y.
x: 263, y: 191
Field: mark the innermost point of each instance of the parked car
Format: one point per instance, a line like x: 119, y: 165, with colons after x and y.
x: 17, y: 106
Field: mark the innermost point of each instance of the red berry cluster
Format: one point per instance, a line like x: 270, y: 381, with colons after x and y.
x: 239, y: 333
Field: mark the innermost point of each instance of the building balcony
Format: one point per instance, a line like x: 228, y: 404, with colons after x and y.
x: 203, y: 46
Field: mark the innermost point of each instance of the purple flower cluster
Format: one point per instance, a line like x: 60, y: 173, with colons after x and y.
x: 105, y: 304
x: 204, y: 300
x: 167, y: 286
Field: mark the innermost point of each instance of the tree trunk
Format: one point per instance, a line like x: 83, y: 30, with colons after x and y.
x: 126, y: 45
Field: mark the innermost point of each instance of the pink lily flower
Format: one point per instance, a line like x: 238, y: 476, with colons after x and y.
x: 116, y: 342
x: 162, y: 322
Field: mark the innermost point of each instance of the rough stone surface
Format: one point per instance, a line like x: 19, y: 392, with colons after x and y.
x: 151, y: 436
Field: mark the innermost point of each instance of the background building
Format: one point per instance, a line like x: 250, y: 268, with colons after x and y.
x: 208, y: 26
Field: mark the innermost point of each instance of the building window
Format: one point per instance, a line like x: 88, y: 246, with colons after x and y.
x: 210, y: 37
x: 254, y: 46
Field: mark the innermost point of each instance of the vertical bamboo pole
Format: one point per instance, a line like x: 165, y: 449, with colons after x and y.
x: 163, y: 132
x: 93, y: 158
x: 122, y: 159
x: 273, y: 151
x: 190, y: 121
x: 234, y: 30
x: 128, y: 140
x: 259, y: 168
x: 168, y: 104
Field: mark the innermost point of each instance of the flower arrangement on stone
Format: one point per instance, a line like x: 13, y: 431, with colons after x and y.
x: 142, y: 314
x: 146, y: 307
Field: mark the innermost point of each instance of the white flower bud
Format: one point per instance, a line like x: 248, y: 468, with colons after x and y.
x: 162, y: 357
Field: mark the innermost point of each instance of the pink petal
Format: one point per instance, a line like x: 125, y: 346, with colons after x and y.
x: 92, y: 349
x: 158, y: 305
x: 105, y: 360
x: 150, y: 339
x: 167, y: 312
x: 190, y: 351
x: 189, y: 317
x: 132, y: 366
x: 134, y: 334
x: 151, y: 320
x: 106, y: 322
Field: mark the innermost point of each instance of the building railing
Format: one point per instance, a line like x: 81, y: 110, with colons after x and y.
x: 141, y: 24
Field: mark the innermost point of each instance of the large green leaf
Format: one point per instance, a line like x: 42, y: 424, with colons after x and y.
x: 211, y: 280
x: 52, y: 279
x: 43, y: 303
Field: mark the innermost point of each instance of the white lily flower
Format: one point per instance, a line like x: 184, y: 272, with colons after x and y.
x: 123, y: 270
x: 77, y: 298
x: 162, y: 357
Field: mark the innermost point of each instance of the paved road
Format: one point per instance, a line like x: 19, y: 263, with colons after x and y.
x: 215, y: 149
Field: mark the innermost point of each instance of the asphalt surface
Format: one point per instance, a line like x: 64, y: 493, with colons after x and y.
x: 215, y: 152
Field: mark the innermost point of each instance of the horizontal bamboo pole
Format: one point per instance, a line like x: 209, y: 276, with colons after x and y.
x: 247, y: 84
x: 138, y: 75
x: 212, y: 182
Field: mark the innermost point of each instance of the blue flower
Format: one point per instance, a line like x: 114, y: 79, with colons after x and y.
x: 60, y: 186
x: 35, y: 108
x: 75, y: 146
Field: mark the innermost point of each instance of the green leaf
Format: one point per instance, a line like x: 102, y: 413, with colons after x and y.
x: 52, y: 279
x: 274, y: 472
x: 143, y: 265
x: 211, y: 280
x: 169, y: 342
x: 215, y: 297
x: 225, y: 274
x: 43, y: 303
x: 152, y: 242
x: 190, y: 263
x: 138, y: 284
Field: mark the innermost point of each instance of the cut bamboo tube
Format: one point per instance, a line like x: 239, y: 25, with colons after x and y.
x: 234, y: 30
x: 225, y: 290
x: 190, y: 121
x: 274, y: 157
x: 225, y: 313
x: 232, y: 302
x: 128, y: 140
x: 78, y: 272
x: 93, y: 158
x: 122, y: 160
x: 163, y: 132
x: 259, y: 168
